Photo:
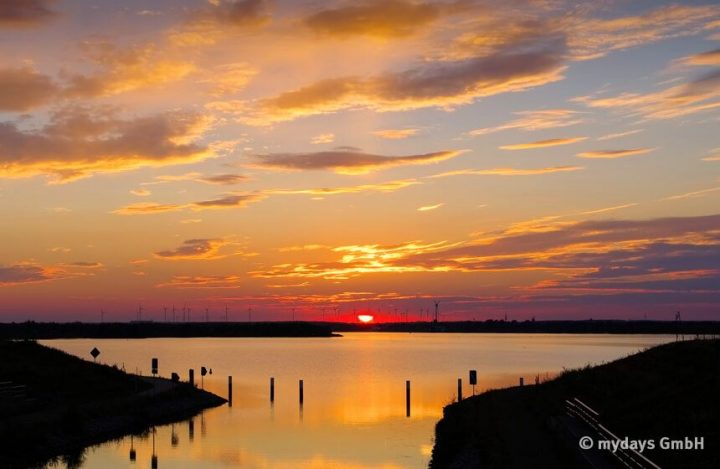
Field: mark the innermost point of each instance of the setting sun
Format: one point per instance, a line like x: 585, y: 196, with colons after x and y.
x: 365, y: 318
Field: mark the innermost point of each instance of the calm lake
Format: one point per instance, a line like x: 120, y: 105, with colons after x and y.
x: 354, y: 415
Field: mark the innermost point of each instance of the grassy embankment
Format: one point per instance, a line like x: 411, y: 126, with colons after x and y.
x: 671, y: 390
x: 55, y: 404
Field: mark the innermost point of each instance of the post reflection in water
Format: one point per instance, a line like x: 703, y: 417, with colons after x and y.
x: 354, y: 413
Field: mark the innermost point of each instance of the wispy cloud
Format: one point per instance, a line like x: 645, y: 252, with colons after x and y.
x: 709, y: 58
x: 223, y: 179
x: 509, y: 171
x: 390, y: 186
x: 427, y: 208
x: 612, y: 154
x: 323, y: 138
x: 346, y: 162
x: 608, y: 209
x: 396, y: 134
x: 140, y: 192
x: 619, y: 134
x: 228, y: 201
x: 203, y: 281
x: 613, y: 256
x: 590, y: 38
x: 440, y: 84
x: 698, y: 95
x: 196, y: 249
x: 552, y: 142
x: 535, y: 120
x: 147, y: 208
x: 693, y: 194
x: 713, y: 156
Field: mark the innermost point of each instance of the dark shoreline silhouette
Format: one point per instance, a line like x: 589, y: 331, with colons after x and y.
x: 56, y: 405
x: 148, y: 329
x: 667, y: 391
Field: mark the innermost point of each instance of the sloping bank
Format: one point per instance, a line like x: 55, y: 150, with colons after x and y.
x: 669, y: 391
x: 57, y: 404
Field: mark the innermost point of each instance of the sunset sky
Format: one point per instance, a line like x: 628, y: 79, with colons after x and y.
x: 540, y: 158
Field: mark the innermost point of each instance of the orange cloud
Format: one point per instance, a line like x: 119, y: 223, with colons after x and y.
x: 323, y: 138
x: 439, y: 84
x: 590, y: 38
x: 359, y: 259
x: 698, y: 95
x: 122, y: 70
x: 219, y: 20
x: 218, y: 179
x: 147, y: 208
x: 619, y: 134
x: 588, y: 253
x: 509, y: 171
x: 711, y: 57
x: 230, y: 78
x: 29, y: 273
x: 346, y: 161
x: 223, y: 179
x: 553, y: 142
x: 390, y: 186
x: 203, y: 281
x: 78, y: 142
x: 693, y: 194
x: 612, y: 154
x: 427, y: 208
x: 195, y: 249
x: 228, y: 201
x: 377, y: 18
x: 23, y: 88
x: 396, y: 134
x: 141, y: 192
x: 535, y: 120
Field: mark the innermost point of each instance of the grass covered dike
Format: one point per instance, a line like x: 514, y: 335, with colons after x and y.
x: 671, y: 390
x: 55, y: 404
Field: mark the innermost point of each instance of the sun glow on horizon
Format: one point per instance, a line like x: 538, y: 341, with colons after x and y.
x: 365, y: 318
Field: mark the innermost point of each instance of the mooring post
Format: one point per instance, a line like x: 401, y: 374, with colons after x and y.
x: 230, y: 391
x: 301, y: 392
x: 192, y: 377
x: 459, y: 389
x: 407, y: 398
x: 522, y: 381
x: 272, y: 389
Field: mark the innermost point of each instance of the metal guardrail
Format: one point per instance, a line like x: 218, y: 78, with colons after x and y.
x: 629, y: 458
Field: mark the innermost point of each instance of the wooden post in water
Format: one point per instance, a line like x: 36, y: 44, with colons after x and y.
x: 192, y: 377
x: 459, y: 389
x: 272, y: 389
x: 230, y: 391
x: 301, y: 392
x: 407, y: 398
x: 522, y: 381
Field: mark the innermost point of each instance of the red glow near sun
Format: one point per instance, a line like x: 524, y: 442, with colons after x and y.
x: 365, y: 318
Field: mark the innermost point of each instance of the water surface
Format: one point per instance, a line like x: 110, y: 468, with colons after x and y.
x: 354, y: 414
